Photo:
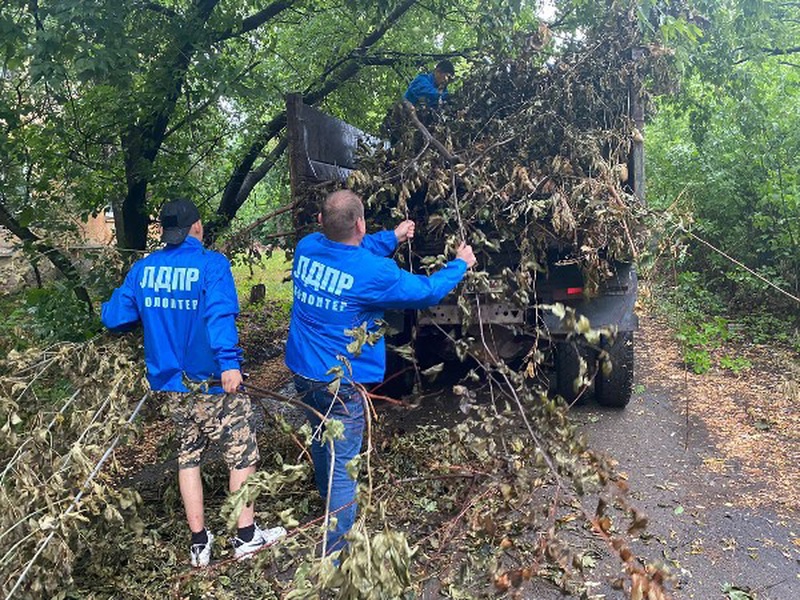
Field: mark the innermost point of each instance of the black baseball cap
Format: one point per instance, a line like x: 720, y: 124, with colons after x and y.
x: 445, y: 66
x: 177, y: 218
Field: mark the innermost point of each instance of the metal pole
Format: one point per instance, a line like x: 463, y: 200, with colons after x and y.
x: 637, y: 114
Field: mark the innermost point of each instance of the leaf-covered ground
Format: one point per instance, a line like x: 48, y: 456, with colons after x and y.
x: 722, y: 504
x: 718, y: 403
x: 437, y: 487
x: 753, y: 417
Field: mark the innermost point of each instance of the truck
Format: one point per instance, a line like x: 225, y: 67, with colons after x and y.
x: 324, y: 149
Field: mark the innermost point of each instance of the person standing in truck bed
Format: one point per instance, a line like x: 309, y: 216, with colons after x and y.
x: 430, y: 89
x: 343, y: 280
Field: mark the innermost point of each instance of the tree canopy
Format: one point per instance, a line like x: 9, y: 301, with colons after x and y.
x: 126, y: 103
x: 725, y: 148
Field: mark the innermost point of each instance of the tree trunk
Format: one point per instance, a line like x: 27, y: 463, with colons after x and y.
x: 131, y: 220
x: 142, y: 139
x: 242, y: 182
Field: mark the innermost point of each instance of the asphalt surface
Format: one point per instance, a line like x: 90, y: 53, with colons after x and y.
x: 701, y: 528
x: 698, y: 525
x: 713, y: 539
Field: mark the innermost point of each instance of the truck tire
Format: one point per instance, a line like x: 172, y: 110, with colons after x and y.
x: 614, y: 390
x: 567, y: 364
x: 399, y: 379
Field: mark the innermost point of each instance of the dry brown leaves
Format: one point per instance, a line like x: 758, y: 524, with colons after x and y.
x: 753, y: 418
x: 271, y: 375
x: 145, y: 449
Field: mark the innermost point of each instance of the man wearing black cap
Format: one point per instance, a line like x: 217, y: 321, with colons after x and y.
x: 185, y: 298
x: 430, y: 89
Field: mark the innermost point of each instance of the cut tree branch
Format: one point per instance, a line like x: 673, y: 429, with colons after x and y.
x: 258, y: 223
x: 412, y: 113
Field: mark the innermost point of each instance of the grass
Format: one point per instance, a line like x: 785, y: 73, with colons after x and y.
x: 714, y: 334
x: 269, y: 270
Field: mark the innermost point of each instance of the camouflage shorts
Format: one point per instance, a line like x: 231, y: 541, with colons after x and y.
x: 223, y: 418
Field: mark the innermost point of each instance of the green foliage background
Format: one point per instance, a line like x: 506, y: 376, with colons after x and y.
x: 723, y: 154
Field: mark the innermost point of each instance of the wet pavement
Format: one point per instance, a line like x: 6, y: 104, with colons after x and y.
x: 714, y: 541
x: 698, y: 523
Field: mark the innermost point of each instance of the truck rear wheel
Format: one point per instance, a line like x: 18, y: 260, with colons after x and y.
x: 567, y: 363
x: 399, y: 379
x: 614, y: 390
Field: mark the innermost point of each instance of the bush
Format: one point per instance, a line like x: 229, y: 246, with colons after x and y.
x: 705, y: 323
x: 45, y: 315
x: 699, y: 339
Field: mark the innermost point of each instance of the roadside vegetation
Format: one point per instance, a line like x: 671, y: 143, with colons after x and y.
x: 272, y: 270
x: 725, y: 184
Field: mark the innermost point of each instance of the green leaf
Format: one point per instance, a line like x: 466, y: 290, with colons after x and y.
x: 762, y: 425
x: 288, y: 519
x: 353, y: 466
x: 737, y: 593
x: 26, y: 216
x: 588, y: 561
x: 406, y: 352
x: 334, y: 430
x: 558, y: 310
x: 431, y: 373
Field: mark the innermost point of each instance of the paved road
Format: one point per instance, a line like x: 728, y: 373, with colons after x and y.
x: 699, y: 518
x: 700, y: 525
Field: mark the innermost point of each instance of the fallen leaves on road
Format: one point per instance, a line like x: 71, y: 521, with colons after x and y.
x: 753, y: 417
x: 736, y: 593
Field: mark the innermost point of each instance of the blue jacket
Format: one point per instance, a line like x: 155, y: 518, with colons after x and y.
x: 423, y: 88
x: 338, y: 287
x: 185, y: 298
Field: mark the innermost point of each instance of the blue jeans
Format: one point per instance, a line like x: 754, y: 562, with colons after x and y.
x: 349, y: 409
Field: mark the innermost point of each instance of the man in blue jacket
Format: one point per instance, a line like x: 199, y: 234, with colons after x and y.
x: 344, y: 279
x: 185, y: 298
x: 430, y: 89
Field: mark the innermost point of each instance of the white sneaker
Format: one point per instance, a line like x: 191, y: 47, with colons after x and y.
x: 261, y: 539
x: 201, y: 553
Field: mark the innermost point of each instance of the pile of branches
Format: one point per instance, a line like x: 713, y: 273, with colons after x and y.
x: 530, y: 163
x: 528, y: 159
x: 490, y: 505
x: 63, y: 409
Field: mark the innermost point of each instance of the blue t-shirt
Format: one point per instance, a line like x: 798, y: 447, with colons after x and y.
x: 339, y: 287
x: 423, y: 90
x: 185, y: 298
